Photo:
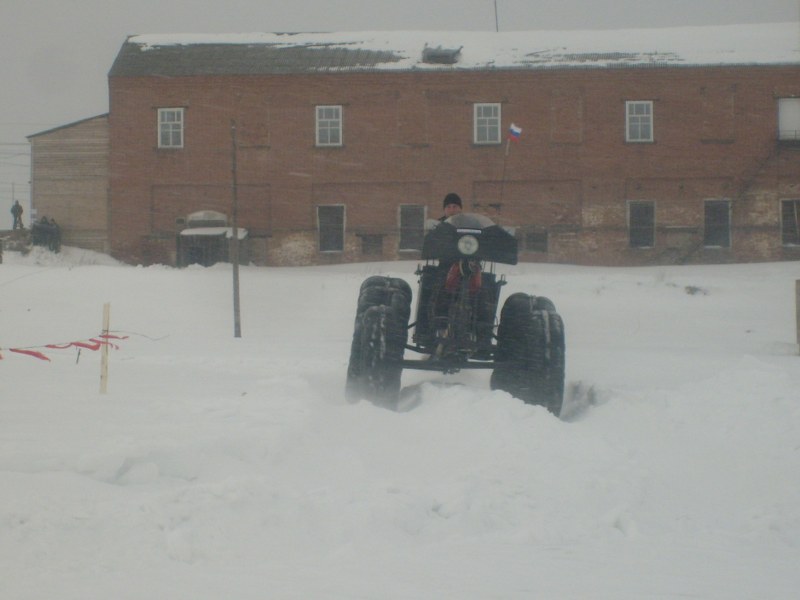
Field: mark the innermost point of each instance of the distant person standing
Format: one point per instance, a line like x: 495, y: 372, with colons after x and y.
x: 16, y: 212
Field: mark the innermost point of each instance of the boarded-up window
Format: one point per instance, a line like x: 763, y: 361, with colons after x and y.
x: 789, y: 119
x: 536, y: 240
x: 412, y: 118
x: 412, y: 224
x: 790, y: 222
x: 717, y: 105
x: 642, y: 224
x: 717, y: 224
x: 372, y: 245
x: 331, y: 228
x: 566, y: 117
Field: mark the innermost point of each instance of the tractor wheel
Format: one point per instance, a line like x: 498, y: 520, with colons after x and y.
x: 379, y: 339
x: 530, y: 352
x: 378, y: 290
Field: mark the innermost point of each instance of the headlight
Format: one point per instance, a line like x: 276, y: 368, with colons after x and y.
x: 468, y: 244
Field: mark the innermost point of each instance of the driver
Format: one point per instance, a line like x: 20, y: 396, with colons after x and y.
x: 455, y: 270
x: 451, y: 205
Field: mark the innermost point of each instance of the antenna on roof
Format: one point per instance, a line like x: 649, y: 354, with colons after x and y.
x: 496, y: 22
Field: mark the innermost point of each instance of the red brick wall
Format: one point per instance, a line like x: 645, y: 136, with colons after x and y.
x: 408, y: 139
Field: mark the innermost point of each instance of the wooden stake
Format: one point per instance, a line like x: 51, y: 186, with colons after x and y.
x: 104, y: 350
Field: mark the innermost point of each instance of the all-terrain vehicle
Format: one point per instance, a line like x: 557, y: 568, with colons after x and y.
x: 456, y: 326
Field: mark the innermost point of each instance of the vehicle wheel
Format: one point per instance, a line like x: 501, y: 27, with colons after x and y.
x: 530, y: 352
x: 379, y: 339
x: 378, y: 290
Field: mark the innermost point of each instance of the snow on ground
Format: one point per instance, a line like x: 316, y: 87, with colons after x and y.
x: 218, y: 467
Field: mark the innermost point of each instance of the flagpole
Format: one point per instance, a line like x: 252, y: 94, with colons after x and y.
x: 515, y: 132
x: 503, y: 177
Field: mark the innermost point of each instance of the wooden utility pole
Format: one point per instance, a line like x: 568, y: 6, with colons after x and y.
x: 237, y: 324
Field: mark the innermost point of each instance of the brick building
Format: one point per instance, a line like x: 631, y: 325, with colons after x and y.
x: 658, y: 147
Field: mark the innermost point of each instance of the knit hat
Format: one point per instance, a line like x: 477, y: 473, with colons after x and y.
x: 451, y: 198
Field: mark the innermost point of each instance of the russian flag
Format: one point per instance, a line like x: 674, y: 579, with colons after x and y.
x: 514, y: 132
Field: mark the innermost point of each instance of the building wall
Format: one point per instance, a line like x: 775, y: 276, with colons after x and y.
x: 408, y: 139
x: 69, y: 175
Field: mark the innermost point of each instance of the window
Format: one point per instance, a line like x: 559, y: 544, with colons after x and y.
x: 331, y: 227
x: 536, y: 240
x: 641, y: 224
x: 487, y: 123
x: 329, y: 126
x: 789, y: 119
x: 170, y: 128
x: 639, y: 121
x: 371, y: 245
x: 717, y: 227
x: 412, y: 226
x: 790, y: 222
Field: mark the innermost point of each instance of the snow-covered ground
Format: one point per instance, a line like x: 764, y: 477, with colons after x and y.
x: 218, y: 467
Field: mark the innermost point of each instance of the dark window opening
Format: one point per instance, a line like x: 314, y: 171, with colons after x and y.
x: 717, y: 229
x: 331, y: 228
x: 412, y: 226
x: 641, y: 224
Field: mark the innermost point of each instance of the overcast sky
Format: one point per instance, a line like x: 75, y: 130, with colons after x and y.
x: 55, y: 54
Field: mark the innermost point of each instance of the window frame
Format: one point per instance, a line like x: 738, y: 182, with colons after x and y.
x: 486, y: 124
x: 170, y: 128
x: 635, y: 121
x: 323, y: 123
x: 789, y: 116
x: 418, y: 234
x: 324, y: 228
x: 710, y: 228
x: 371, y: 244
x: 537, y: 239
x: 640, y: 228
x: 795, y: 230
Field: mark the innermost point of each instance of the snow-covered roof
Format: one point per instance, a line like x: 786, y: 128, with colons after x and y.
x: 255, y: 53
x: 215, y: 231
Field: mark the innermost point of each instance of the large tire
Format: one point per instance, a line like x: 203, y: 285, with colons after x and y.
x: 388, y: 284
x: 379, y: 339
x: 530, y: 352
